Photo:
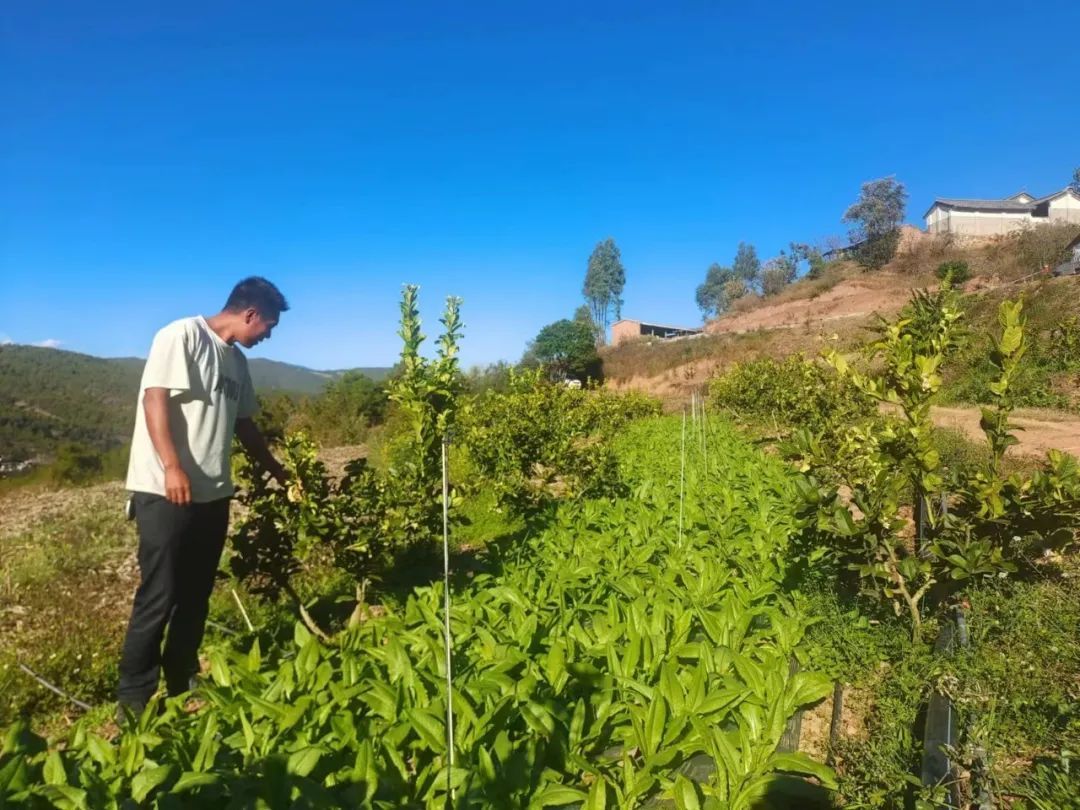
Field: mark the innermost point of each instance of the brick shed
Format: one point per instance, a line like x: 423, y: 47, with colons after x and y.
x: 627, y: 329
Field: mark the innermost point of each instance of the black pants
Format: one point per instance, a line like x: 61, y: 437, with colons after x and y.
x: 179, y: 550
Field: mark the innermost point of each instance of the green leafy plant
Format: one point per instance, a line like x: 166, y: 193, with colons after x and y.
x: 426, y: 392
x: 542, y: 440
x: 967, y: 523
x: 792, y: 391
x: 955, y: 272
x: 614, y: 648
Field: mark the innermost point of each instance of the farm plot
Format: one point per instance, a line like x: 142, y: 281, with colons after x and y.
x: 591, y: 662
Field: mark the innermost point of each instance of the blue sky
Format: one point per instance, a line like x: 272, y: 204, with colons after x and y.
x: 151, y: 154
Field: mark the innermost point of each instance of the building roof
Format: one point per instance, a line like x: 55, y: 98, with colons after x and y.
x: 1008, y: 204
x: 659, y: 325
x: 984, y: 205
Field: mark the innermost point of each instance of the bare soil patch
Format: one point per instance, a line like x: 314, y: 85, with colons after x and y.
x: 859, y: 297
x: 1038, y: 430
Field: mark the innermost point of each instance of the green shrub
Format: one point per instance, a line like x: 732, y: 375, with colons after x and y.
x: 793, y: 391
x: 542, y: 440
x: 954, y: 272
x: 1044, y: 245
x: 76, y: 464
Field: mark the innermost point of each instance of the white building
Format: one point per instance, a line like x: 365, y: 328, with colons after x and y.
x: 995, y: 217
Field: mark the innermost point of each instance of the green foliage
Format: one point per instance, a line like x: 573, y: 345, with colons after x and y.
x: 344, y: 412
x: 711, y: 297
x: 494, y: 376
x: 1016, y: 682
x: 1051, y: 357
x: 724, y: 285
x: 75, y: 465
x: 426, y: 392
x: 354, y: 525
x: 887, y: 462
x: 747, y: 265
x: 342, y: 524
x: 567, y: 350
x: 542, y: 440
x: 817, y: 265
x: 605, y: 279
x: 877, y: 251
x: 777, y: 274
x: 1054, y: 784
x: 609, y: 650
x: 1044, y: 246
x: 50, y: 397
x: 59, y: 611
x: 1062, y: 351
x: 876, y: 217
x: 993, y: 519
x: 811, y: 255
x: 879, y: 209
x: 954, y: 272
x: 793, y: 391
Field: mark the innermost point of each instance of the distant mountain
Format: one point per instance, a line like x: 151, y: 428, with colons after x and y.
x: 50, y: 396
x: 272, y: 375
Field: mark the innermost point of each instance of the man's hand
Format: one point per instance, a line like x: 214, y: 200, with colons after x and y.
x: 255, y: 444
x: 177, y: 486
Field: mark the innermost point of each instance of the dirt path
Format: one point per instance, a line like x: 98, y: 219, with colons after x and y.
x: 1039, y: 430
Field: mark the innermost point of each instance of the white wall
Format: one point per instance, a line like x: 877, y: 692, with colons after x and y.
x: 987, y: 223
x: 1065, y: 208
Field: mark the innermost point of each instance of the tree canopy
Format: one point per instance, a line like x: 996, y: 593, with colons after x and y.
x: 747, y: 265
x: 876, y: 218
x: 605, y: 279
x: 1075, y: 184
x: 710, y: 296
x: 566, y: 349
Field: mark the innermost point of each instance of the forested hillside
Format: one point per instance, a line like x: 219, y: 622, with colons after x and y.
x: 49, y: 397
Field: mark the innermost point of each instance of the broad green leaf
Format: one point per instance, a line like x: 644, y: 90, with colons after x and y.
x: 801, y: 763
x: 685, y: 794
x: 558, y: 794
x: 53, y: 771
x: 146, y: 780
x: 303, y: 762
x: 191, y: 779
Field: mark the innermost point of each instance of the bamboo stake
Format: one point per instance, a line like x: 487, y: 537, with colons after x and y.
x: 446, y: 606
x: 239, y: 604
x: 84, y: 706
x: 682, y: 475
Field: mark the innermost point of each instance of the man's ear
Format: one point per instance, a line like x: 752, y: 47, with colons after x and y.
x: 250, y: 314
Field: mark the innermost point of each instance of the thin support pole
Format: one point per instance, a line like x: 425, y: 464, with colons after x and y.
x: 682, y: 475
x: 84, y: 706
x: 239, y: 604
x: 705, y: 437
x: 446, y: 601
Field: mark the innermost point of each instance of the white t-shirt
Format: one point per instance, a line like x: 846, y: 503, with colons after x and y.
x: 209, y: 389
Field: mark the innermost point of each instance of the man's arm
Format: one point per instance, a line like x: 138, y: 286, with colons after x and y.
x: 156, y: 408
x: 255, y: 443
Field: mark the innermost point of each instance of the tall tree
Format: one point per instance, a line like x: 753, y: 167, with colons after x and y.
x: 876, y: 218
x: 747, y: 265
x: 778, y: 273
x: 605, y: 279
x: 710, y: 296
x: 565, y: 349
x: 583, y: 315
x: 1075, y: 184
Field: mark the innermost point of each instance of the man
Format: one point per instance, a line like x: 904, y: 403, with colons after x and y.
x: 195, y: 394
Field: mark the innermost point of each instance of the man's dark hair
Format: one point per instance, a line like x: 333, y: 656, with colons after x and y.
x: 257, y: 292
